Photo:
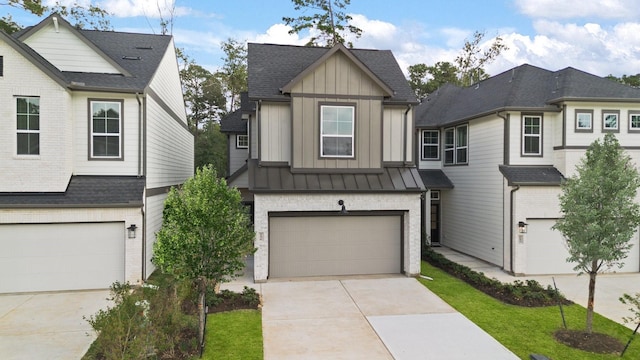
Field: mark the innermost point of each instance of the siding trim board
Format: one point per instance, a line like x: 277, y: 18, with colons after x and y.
x: 336, y: 96
x: 166, y: 108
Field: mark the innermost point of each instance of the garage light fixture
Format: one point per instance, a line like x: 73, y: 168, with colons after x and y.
x: 131, y: 233
x: 344, y: 209
x: 522, y: 227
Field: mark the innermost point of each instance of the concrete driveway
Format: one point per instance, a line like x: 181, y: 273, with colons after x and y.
x: 369, y: 318
x: 48, y: 325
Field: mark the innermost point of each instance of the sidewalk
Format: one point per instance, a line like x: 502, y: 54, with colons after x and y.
x: 609, y: 287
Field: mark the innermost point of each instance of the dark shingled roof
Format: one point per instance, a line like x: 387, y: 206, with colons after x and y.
x: 435, y: 179
x: 281, y: 179
x: 531, y: 175
x: 233, y: 123
x: 84, y: 191
x: 524, y: 88
x: 271, y: 67
x: 138, y: 54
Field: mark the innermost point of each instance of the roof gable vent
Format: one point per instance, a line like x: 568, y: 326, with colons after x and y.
x: 131, y: 57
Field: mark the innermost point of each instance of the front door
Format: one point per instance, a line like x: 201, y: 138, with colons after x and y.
x: 435, y: 224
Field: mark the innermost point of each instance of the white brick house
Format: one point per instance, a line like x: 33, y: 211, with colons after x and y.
x: 331, y: 167
x: 93, y: 134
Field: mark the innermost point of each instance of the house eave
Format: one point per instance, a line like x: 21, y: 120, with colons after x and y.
x: 592, y: 99
x: 487, y: 113
x: 73, y: 206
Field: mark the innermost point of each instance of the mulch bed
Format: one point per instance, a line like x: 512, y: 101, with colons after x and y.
x: 592, y: 342
x: 229, y: 304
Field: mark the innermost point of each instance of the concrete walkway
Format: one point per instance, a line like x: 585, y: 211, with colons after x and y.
x: 609, y: 287
x: 367, y: 318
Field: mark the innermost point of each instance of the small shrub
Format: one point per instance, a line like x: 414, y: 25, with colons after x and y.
x: 529, y: 293
x: 250, y: 296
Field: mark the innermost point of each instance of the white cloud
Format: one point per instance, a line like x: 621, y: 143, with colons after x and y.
x: 279, y: 34
x: 566, y: 9
x: 148, y: 8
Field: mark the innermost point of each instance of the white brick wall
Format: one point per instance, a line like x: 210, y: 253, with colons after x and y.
x: 133, y: 247
x: 264, y: 203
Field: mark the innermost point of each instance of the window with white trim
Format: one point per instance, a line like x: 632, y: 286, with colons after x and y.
x: 610, y: 120
x: 456, y: 145
x: 1, y: 66
x: 106, y: 129
x: 634, y: 120
x: 28, y: 125
x: 532, y: 135
x: 584, y: 120
x: 242, y: 141
x: 336, y: 131
x: 430, y: 144
x: 435, y: 195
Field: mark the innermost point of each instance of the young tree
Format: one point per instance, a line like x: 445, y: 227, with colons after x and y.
x: 472, y: 60
x: 79, y: 15
x: 600, y: 212
x: 330, y: 21
x: 205, y: 233
x: 211, y: 148
x: 234, y: 71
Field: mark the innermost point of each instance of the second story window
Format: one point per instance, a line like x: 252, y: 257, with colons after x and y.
x: 28, y: 125
x: 430, y: 144
x: 456, y: 145
x: 106, y: 129
x: 336, y: 131
x: 532, y: 135
x: 610, y: 120
x: 242, y: 141
x: 584, y: 120
x: 634, y: 121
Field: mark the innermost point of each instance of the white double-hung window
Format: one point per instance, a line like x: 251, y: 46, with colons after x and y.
x: 337, y: 131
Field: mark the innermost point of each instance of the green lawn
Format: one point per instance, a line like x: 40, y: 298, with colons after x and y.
x: 234, y: 335
x: 523, y: 330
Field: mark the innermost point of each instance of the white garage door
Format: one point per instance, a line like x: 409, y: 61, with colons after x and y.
x: 49, y: 257
x: 334, y: 245
x: 547, y: 253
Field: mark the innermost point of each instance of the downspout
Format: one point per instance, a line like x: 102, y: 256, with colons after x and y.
x: 258, y: 140
x: 511, y: 225
x: 404, y: 128
x: 139, y: 134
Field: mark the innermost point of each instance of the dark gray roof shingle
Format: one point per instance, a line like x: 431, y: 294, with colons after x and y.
x: 233, y: 123
x: 84, y: 191
x: 531, y: 175
x: 524, y: 88
x: 435, y: 179
x: 271, y: 67
x: 281, y: 179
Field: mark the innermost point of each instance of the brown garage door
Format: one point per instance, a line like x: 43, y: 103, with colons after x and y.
x: 334, y: 245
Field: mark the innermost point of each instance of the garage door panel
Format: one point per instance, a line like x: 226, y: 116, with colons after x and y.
x: 334, y: 245
x: 547, y: 251
x: 50, y: 257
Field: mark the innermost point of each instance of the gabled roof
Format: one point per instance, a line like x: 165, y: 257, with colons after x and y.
x: 531, y: 175
x: 524, y: 88
x: 280, y: 179
x: 235, y: 122
x: 138, y: 55
x: 84, y: 191
x: 273, y: 68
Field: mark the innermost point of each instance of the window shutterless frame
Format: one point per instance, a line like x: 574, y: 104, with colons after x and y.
x: 242, y: 141
x: 430, y: 143
x: 337, y: 124
x: 611, y: 121
x: 456, y: 145
x: 106, y: 136
x: 584, y: 120
x: 531, y: 135
x: 634, y: 121
x: 27, y: 125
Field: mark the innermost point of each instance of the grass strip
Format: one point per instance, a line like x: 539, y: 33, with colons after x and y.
x: 524, y: 330
x: 234, y: 335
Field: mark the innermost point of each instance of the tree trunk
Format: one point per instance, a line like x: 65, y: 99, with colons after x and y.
x: 592, y: 291
x: 202, y: 288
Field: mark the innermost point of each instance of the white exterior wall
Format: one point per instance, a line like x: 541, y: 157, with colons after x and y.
x: 241, y: 181
x: 133, y: 247
x: 237, y: 157
x: 81, y: 114
x: 264, y: 203
x: 585, y: 139
x: 25, y: 172
x: 166, y: 83
x: 169, y: 148
x: 154, y: 207
x: 472, y: 211
x: 67, y: 52
x: 275, y: 130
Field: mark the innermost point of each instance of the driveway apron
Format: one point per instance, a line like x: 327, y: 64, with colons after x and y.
x: 369, y: 318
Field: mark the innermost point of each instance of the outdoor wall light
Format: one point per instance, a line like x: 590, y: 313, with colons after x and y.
x: 522, y: 227
x: 344, y: 209
x: 131, y: 231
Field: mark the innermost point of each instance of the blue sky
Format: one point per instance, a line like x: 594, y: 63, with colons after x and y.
x: 598, y: 36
